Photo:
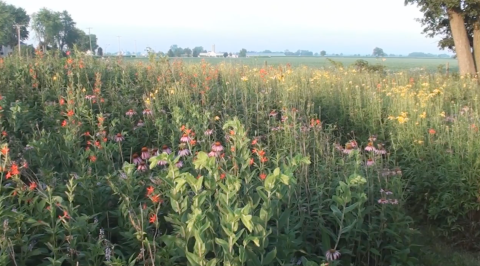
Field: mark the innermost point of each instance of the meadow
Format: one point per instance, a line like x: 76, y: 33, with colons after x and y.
x: 391, y: 63
x: 169, y: 162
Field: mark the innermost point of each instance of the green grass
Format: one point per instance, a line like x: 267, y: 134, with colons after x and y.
x: 392, y: 63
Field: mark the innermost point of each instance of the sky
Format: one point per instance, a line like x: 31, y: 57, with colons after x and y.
x: 336, y: 26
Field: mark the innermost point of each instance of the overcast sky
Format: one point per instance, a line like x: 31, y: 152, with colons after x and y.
x: 337, y: 26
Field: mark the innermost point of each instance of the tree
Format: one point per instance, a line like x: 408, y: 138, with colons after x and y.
x: 68, y: 34
x: 100, y: 51
x: 242, y: 53
x: 197, y: 50
x: 458, y: 23
x: 83, y: 41
x: 225, y: 54
x: 47, y: 25
x: 323, y: 53
x: 170, y: 53
x: 9, y: 16
x: 178, y: 52
x: 378, y: 52
x: 230, y: 54
x: 187, y: 52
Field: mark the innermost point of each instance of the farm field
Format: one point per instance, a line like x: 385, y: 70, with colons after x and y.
x: 391, y: 63
x: 177, y: 162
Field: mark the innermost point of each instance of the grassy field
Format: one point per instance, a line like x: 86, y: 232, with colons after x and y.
x: 169, y: 162
x: 392, y: 63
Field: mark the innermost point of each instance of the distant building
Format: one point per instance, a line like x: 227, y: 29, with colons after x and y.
x: 5, y: 50
x: 212, y: 53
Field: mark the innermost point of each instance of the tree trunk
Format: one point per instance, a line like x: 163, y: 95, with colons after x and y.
x: 476, y: 44
x: 462, y: 44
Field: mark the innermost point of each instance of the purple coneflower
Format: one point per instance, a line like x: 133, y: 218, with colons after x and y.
x: 166, y: 149
x: 179, y: 164
x: 119, y: 137
x: 208, y: 132
x: 90, y: 97
x: 140, y: 123
x: 273, y: 113
x: 217, y: 147
x: 394, y: 201
x: 142, y: 167
x: 136, y: 160
x: 370, y: 147
x: 370, y: 162
x: 183, y: 152
x: 332, y: 254
x: 185, y: 138
x: 130, y: 113
x: 383, y: 201
x: 213, y: 154
x: 145, y: 153
x: 147, y: 112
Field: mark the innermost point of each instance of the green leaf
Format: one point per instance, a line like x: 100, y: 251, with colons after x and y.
x: 346, y: 229
x: 193, y: 259
x: 352, y: 207
x: 247, y: 221
x: 212, y: 262
x: 223, y: 244
x: 201, y: 160
x: 242, y: 256
x: 276, y: 172
x: 270, y: 182
x: 268, y: 259
x: 375, y: 251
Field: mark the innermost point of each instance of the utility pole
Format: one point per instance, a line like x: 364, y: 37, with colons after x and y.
x: 119, y: 53
x: 90, y: 37
x: 18, y: 36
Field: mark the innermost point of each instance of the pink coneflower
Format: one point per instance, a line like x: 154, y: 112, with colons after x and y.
x: 370, y: 147
x: 185, y: 138
x: 381, y: 151
x: 166, y: 149
x: 382, y: 201
x: 353, y: 143
x: 154, y: 152
x: 90, y: 97
x: 338, y: 147
x: 140, y: 123
x: 130, y: 113
x: 284, y: 118
x: 208, y: 132
x: 147, y: 112
x: 348, y: 148
x: 332, y: 254
x: 142, y: 167
x: 370, y: 162
x: 213, y: 154
x: 273, y: 113
x: 217, y: 147
x: 145, y: 153
x: 136, y: 160
x: 119, y: 137
x: 183, y: 152
x: 162, y: 163
x: 393, y: 201
x: 372, y: 138
x: 179, y: 164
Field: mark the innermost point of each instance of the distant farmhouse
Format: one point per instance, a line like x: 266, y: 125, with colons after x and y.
x: 212, y: 53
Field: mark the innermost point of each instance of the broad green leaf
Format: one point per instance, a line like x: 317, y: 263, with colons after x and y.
x: 247, y: 221
x: 268, y: 259
x: 193, y: 259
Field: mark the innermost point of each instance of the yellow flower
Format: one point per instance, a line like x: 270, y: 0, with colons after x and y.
x: 402, y: 119
x: 217, y: 118
x: 442, y: 114
x: 423, y: 115
x: 54, y: 77
x: 84, y: 90
x: 244, y: 78
x: 172, y: 91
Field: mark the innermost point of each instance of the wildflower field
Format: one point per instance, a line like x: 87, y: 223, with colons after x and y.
x: 105, y: 162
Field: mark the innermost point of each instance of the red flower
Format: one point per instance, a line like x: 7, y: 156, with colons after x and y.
x: 153, y: 218
x: 33, y: 186
x: 149, y: 190
x: 64, y: 123
x: 263, y: 176
x: 222, y: 176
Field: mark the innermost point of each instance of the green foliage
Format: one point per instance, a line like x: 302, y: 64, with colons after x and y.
x: 171, y: 163
x: 9, y: 16
x: 378, y: 52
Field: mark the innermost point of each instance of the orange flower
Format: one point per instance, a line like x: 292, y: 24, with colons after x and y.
x: 93, y: 158
x: 156, y: 198
x: 222, y: 176
x: 5, y: 150
x: 14, y: 169
x: 149, y: 190
x: 251, y: 161
x: 70, y: 113
x: 261, y: 153
x: 153, y: 218
x: 61, y: 101
x: 4, y: 133
x: 263, y: 176
x: 232, y: 149
x: 32, y: 186
x: 232, y: 132
x: 432, y: 131
x: 193, y: 142
x: 254, y: 141
x: 65, y: 215
x: 64, y: 123
x: 264, y: 159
